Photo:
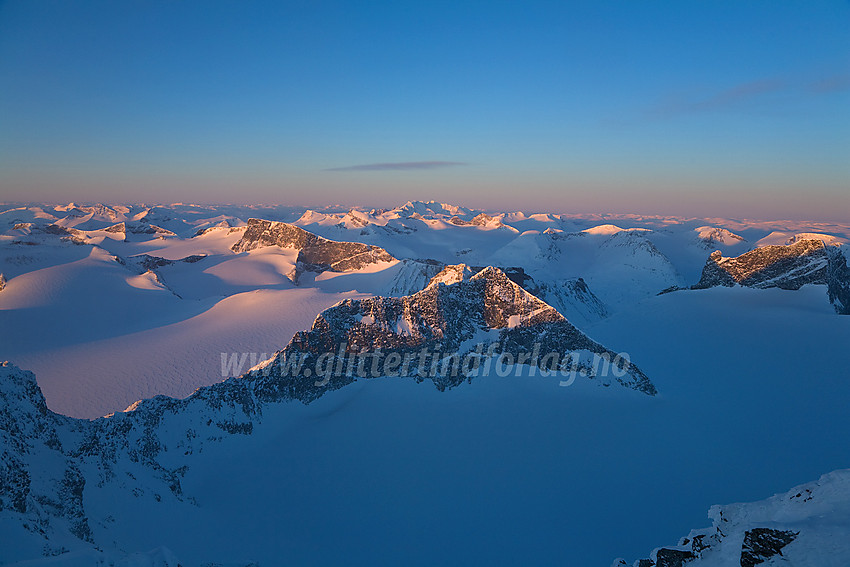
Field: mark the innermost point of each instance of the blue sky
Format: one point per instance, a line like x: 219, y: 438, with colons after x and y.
x: 695, y: 108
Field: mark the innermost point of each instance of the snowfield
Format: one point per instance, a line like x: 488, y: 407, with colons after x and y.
x: 752, y: 395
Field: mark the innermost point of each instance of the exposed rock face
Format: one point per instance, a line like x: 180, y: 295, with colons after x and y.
x: 672, y: 557
x: 314, y: 252
x: 138, y: 228
x: 760, y: 544
x: 57, y: 230
x: 146, y: 262
x: 571, y: 296
x: 30, y: 436
x: 804, y: 261
x: 49, y: 461
x: 805, y: 526
x: 486, y: 310
x: 2, y: 282
x: 838, y: 280
x: 786, y: 267
x: 481, y: 219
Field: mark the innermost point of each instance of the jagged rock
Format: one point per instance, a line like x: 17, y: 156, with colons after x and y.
x: 786, y: 267
x: 804, y: 261
x: 2, y: 282
x: 760, y: 544
x: 451, y: 319
x: 315, y: 253
x: 147, y: 228
x: 146, y: 262
x: 665, y: 557
x: 56, y: 229
x: 140, y: 227
x: 570, y: 296
x: 838, y: 280
x: 812, y: 516
x: 29, y: 435
x: 481, y: 219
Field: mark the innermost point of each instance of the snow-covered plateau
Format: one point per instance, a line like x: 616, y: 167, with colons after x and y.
x: 149, y: 413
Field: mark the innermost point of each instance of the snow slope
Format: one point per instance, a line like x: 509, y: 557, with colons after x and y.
x: 508, y: 470
x: 72, y: 313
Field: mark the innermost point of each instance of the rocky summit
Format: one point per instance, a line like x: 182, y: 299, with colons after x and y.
x: 315, y: 253
x: 487, y: 314
x: 807, y: 261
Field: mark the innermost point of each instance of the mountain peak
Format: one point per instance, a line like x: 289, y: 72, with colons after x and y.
x: 487, y: 311
x: 315, y: 253
x: 786, y: 267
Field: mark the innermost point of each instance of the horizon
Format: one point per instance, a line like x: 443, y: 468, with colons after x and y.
x: 699, y: 110
x: 337, y: 208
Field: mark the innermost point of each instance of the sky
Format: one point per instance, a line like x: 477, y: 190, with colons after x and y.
x: 699, y: 108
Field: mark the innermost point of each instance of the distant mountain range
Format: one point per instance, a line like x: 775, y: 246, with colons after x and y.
x: 211, y: 321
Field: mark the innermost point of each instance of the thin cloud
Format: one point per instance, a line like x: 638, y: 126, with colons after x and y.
x: 835, y: 83
x: 724, y: 99
x: 398, y: 166
x: 740, y: 93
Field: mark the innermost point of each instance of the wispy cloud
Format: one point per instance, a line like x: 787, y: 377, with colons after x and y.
x: 831, y: 84
x: 401, y: 165
x: 744, y: 93
x: 730, y: 97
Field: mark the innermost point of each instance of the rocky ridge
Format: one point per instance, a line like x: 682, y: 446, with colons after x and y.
x: 805, y: 526
x: 802, y: 262
x: 487, y: 310
x: 315, y: 253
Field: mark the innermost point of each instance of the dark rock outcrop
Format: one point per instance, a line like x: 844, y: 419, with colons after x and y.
x: 672, y: 557
x: 804, y: 261
x: 786, y: 267
x: 803, y: 526
x: 146, y: 262
x: 569, y: 296
x: 486, y: 311
x: 838, y: 280
x: 315, y: 254
x: 140, y: 227
x: 760, y: 544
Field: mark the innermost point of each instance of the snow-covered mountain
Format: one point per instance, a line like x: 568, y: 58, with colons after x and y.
x: 805, y: 526
x: 487, y: 314
x: 798, y: 263
x: 785, y: 267
x: 49, y: 460
x: 315, y: 254
x: 135, y: 289
x: 511, y: 459
x: 571, y: 297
